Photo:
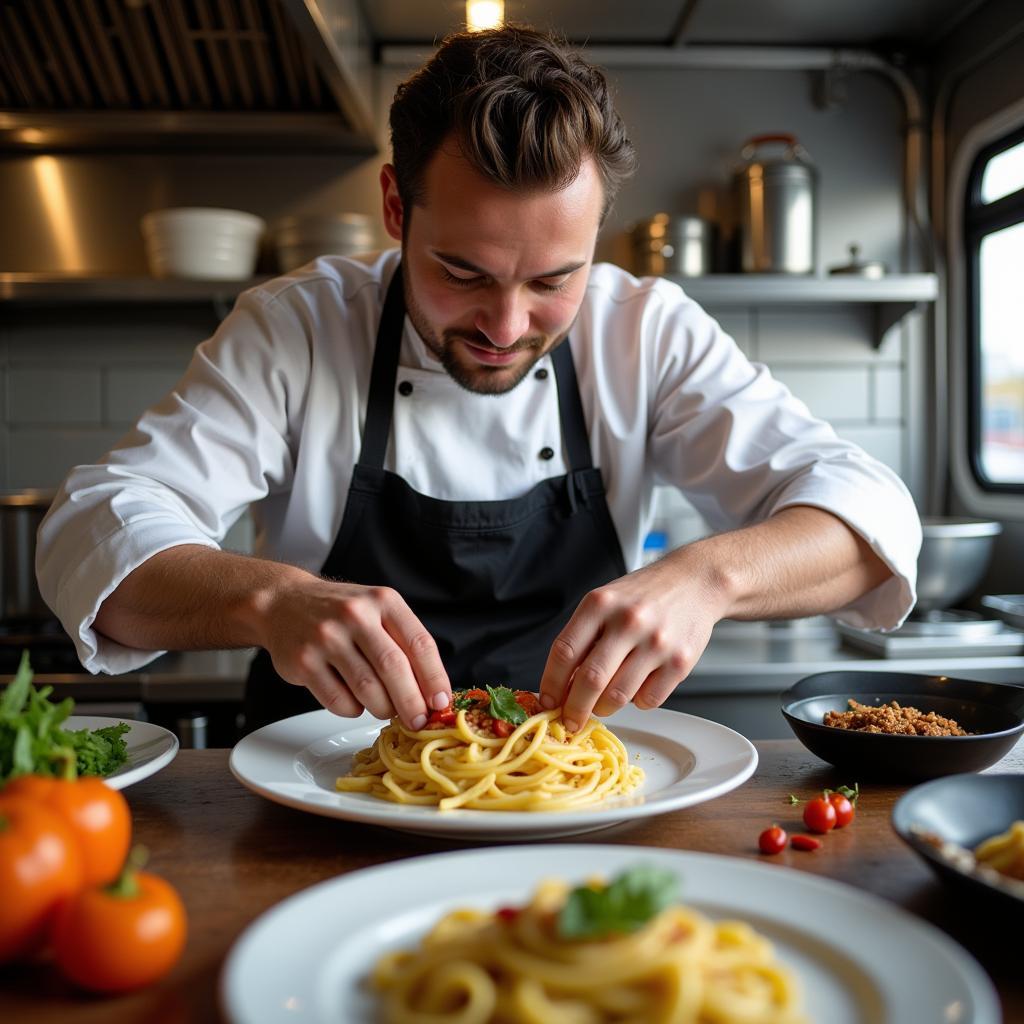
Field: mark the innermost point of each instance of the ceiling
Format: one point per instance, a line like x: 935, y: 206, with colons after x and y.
x: 902, y: 24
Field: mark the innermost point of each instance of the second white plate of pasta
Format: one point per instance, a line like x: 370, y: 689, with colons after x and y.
x: 736, y: 941
x: 685, y: 760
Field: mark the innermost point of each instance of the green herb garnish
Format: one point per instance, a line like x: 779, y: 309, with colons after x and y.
x: 625, y: 905
x: 505, y: 706
x: 463, y: 703
x: 33, y: 742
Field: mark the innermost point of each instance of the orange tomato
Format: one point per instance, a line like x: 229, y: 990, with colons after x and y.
x: 97, y: 814
x: 40, y: 868
x: 120, y: 937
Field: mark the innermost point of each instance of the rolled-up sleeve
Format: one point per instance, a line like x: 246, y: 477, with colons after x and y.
x: 741, y: 447
x: 219, y: 441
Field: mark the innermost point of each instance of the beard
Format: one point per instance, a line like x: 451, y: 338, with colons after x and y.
x: 466, y: 371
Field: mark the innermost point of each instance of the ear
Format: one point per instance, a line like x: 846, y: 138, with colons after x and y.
x: 393, y: 210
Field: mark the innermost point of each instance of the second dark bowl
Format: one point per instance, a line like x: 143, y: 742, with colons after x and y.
x: 994, y: 712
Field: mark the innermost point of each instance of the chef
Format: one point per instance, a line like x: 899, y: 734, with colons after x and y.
x: 450, y: 448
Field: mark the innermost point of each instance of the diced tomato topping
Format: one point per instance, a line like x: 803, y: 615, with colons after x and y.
x: 444, y: 718
x: 476, y: 695
x: 501, y: 727
x: 528, y: 702
x: 508, y: 913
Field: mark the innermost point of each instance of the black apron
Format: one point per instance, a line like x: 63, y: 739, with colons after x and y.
x: 493, y: 581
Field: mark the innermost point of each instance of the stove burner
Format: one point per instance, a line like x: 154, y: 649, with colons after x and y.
x: 948, y: 622
x: 949, y: 632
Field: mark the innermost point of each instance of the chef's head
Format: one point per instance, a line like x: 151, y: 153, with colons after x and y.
x: 507, y: 156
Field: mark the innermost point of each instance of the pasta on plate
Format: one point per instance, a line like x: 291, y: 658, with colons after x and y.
x: 494, y: 750
x: 1004, y: 852
x: 621, y: 953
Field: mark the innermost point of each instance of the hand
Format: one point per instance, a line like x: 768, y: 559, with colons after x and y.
x: 355, y: 647
x: 634, y: 639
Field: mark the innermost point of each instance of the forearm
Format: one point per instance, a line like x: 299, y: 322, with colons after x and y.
x: 192, y: 597
x: 802, y: 561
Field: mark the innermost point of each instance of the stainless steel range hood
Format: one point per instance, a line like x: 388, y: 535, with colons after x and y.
x: 184, y: 74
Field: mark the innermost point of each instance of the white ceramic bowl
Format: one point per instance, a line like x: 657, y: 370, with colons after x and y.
x: 202, y: 243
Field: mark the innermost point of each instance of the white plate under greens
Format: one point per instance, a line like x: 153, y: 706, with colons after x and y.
x: 150, y: 747
x: 859, y: 959
x: 686, y: 760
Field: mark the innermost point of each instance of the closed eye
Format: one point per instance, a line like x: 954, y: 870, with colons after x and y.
x: 463, y: 282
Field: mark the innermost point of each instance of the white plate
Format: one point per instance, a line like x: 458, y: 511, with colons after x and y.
x: 686, y: 760
x: 150, y: 747
x: 860, y: 960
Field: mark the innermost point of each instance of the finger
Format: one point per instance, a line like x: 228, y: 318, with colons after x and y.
x: 625, y: 683
x: 591, y: 679
x: 381, y: 663
x: 361, y: 678
x: 420, y: 650
x: 323, y: 682
x: 571, y: 647
x: 660, y: 685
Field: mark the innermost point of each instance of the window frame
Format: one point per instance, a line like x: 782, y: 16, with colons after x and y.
x: 971, y: 491
x: 980, y: 220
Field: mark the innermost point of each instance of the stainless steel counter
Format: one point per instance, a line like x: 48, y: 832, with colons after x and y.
x: 763, y: 657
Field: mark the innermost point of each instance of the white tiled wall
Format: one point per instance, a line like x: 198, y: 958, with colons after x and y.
x: 72, y: 383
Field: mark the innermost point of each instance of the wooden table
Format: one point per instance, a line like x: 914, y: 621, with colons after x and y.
x: 232, y: 855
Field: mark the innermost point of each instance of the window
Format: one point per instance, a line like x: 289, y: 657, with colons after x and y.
x: 994, y: 235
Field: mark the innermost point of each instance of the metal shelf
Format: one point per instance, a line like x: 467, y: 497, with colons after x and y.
x: 57, y: 289
x: 892, y: 297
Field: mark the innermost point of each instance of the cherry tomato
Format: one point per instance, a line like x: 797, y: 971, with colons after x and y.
x: 120, y: 937
x: 97, y: 814
x: 529, y: 702
x: 843, y: 808
x: 772, y: 840
x: 501, y: 727
x: 819, y: 815
x: 804, y: 843
x: 40, y: 867
x: 441, y: 719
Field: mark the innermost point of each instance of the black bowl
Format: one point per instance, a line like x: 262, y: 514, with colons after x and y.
x: 994, y: 712
x: 963, y: 809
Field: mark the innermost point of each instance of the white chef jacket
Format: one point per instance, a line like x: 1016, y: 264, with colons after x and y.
x: 270, y: 414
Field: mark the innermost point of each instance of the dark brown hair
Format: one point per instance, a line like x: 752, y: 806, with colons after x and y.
x: 525, y: 110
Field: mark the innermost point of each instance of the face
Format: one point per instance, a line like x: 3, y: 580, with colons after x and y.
x: 493, y: 279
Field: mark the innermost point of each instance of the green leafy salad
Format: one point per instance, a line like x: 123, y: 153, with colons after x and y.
x: 33, y: 742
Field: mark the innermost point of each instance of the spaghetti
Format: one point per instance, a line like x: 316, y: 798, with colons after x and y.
x: 494, y: 750
x: 1004, y: 852
x: 518, y: 966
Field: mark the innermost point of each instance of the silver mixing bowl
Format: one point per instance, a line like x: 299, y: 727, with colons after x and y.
x: 954, y: 556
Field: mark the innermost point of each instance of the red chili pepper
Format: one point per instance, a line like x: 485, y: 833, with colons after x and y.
x: 804, y: 843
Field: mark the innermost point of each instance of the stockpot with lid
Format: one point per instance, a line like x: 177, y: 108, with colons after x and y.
x: 776, y: 195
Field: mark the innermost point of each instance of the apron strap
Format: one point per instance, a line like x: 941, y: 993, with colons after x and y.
x: 570, y: 409
x: 380, y: 402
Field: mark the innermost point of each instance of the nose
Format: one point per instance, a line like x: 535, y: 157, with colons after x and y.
x: 505, y: 319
